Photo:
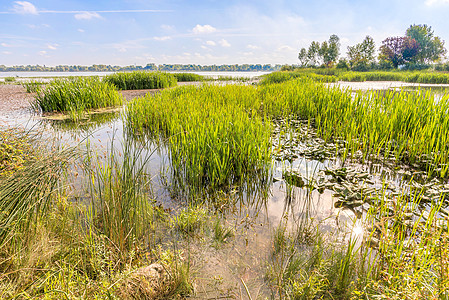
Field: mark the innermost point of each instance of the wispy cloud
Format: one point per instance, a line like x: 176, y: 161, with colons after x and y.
x: 162, y: 38
x: 87, y: 15
x: 203, y: 29
x: 253, y: 47
x: 7, y: 52
x: 211, y: 43
x: 25, y: 7
x: 52, y: 46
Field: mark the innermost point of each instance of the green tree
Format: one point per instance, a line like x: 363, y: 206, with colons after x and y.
x: 362, y: 54
x: 313, y: 53
x: 431, y: 46
x: 398, y: 50
x: 303, y: 59
x: 333, y: 50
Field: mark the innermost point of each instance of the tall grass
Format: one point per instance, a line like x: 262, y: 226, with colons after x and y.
x: 119, y: 189
x: 32, y: 86
x: 54, y: 244
x: 28, y: 192
x: 407, y: 126
x: 184, y: 77
x: 278, y: 77
x: 139, y: 80
x: 76, y: 95
x: 215, y: 137
x: 413, y: 77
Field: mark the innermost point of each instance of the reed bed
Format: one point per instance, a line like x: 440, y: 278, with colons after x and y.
x: 185, y: 77
x: 215, y: 139
x: 278, y: 77
x: 408, y: 126
x: 76, y: 95
x: 412, y: 77
x: 139, y: 80
x: 32, y: 86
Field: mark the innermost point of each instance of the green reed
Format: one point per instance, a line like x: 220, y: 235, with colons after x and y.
x: 139, y: 80
x: 184, y: 77
x: 215, y: 136
x: 32, y: 86
x: 278, y: 77
x: 410, y: 126
x: 76, y: 95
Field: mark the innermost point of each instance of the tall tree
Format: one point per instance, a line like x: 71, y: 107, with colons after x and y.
x: 431, y: 47
x: 399, y: 50
x: 362, y: 53
x: 334, y: 48
x: 313, y: 53
x: 303, y: 59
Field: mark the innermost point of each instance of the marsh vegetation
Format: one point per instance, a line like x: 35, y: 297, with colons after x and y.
x: 289, y: 189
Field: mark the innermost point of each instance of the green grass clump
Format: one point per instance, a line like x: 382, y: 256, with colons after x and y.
x: 139, y: 80
x: 433, y: 78
x: 214, y: 134
x: 76, y: 95
x: 278, y: 77
x: 184, y: 77
x: 32, y: 86
x: 10, y: 79
x: 353, y: 77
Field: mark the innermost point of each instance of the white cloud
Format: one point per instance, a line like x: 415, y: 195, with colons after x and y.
x: 43, y: 52
x: 205, y: 48
x: 24, y: 7
x: 5, y: 45
x: 167, y: 27
x: 436, y: 2
x: 211, y: 43
x: 162, y: 38
x: 81, y: 30
x: 224, y: 43
x: 87, y: 15
x: 6, y: 52
x: 254, y: 47
x: 285, y: 48
x: 52, y: 47
x: 203, y: 29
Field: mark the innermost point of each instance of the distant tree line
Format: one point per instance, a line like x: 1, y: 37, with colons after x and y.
x: 148, y: 67
x: 417, y: 49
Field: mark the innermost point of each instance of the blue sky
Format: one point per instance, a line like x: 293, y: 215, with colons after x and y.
x: 125, y: 32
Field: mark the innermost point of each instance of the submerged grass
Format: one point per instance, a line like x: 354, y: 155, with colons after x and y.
x: 76, y: 95
x: 139, y: 80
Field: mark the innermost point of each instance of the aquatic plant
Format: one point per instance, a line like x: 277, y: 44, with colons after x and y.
x: 215, y: 138
x: 184, y: 76
x: 139, y: 80
x: 32, y: 86
x: 76, y: 95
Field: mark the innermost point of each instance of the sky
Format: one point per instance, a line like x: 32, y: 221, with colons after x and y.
x: 205, y: 32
